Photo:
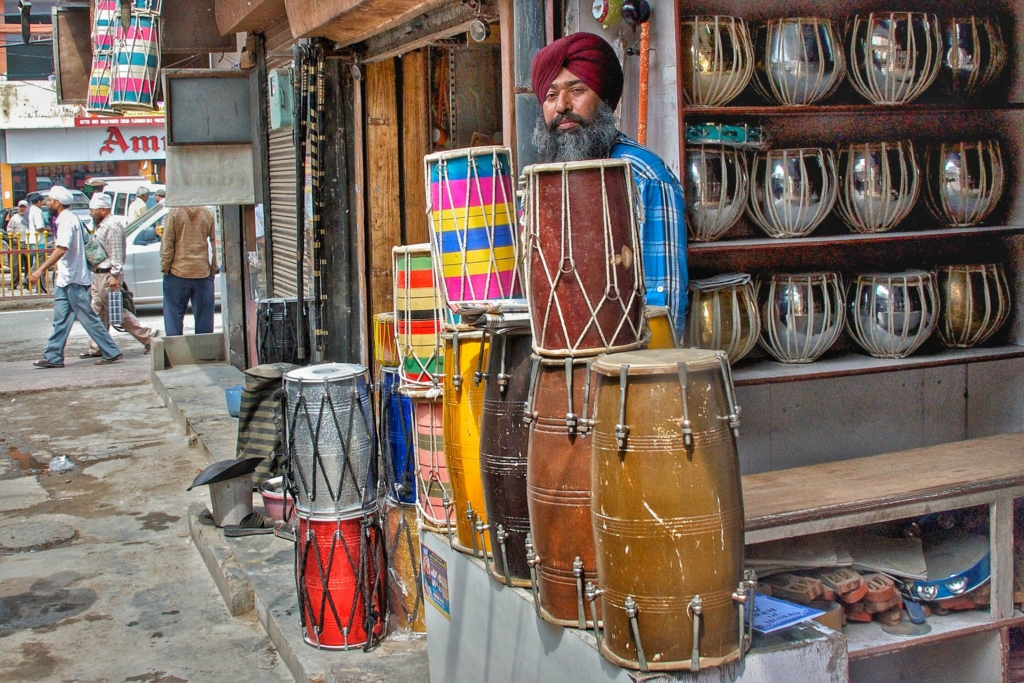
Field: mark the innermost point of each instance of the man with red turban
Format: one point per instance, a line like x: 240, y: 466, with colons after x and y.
x: 578, y: 81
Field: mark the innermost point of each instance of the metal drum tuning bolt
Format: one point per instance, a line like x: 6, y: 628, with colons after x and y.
x: 481, y: 530
x: 503, y: 536
x: 592, y: 594
x: 577, y: 571
x: 695, y: 609
x: 631, y: 612
x: 533, y: 561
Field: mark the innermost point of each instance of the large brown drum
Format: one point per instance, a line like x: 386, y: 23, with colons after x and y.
x: 584, y: 277
x: 558, y: 489
x: 667, y: 509
x: 503, y: 446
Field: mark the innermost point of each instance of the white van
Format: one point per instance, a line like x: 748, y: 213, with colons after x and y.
x: 122, y: 192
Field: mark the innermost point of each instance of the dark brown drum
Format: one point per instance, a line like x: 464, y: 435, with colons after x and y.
x: 667, y: 510
x: 503, y: 445
x: 584, y: 277
x: 558, y: 489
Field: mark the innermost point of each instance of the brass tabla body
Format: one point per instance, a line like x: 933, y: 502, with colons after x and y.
x: 463, y: 410
x: 503, y: 446
x: 667, y: 509
x: 402, y: 546
x: 974, y: 302
x: 558, y: 489
x: 723, y: 315
x: 584, y: 270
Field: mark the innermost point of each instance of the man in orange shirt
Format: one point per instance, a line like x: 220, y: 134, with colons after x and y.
x: 188, y: 241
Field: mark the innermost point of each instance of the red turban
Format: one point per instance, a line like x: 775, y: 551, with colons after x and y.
x: 587, y: 56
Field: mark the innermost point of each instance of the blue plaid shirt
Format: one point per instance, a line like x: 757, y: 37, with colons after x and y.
x: 663, y: 230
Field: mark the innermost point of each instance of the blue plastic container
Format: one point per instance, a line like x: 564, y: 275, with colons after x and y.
x: 234, y: 399
x: 398, y: 436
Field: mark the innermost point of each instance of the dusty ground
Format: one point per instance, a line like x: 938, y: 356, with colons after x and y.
x: 98, y: 577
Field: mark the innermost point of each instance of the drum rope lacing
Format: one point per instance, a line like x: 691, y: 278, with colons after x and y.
x: 404, y: 333
x: 425, y: 488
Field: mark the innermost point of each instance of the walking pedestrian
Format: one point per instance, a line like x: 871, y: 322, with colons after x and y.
x: 71, y: 298
x: 109, y: 275
x: 36, y: 230
x: 17, y: 238
x: 185, y: 249
x: 138, y: 206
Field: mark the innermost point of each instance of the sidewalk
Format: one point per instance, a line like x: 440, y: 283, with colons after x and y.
x: 257, y: 572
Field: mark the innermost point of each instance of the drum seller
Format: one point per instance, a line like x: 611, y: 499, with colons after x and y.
x: 578, y: 81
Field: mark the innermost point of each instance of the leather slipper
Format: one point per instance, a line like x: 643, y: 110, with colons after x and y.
x: 253, y: 524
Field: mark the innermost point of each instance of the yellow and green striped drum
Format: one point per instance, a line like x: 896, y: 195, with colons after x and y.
x: 418, y: 319
x: 463, y: 410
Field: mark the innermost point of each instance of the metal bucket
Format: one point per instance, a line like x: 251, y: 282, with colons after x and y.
x: 231, y: 500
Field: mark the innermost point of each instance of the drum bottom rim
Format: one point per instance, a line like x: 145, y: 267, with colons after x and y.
x: 468, y: 551
x: 516, y: 582
x: 567, y: 623
x: 350, y: 646
x: 681, y: 665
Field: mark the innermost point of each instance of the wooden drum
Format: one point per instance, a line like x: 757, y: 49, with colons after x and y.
x: 584, y: 272
x: 503, y: 446
x: 418, y: 320
x: 466, y: 353
x: 667, y: 509
x: 558, y: 489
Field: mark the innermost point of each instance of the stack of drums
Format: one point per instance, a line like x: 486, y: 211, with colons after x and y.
x: 126, y: 61
x: 474, y: 242
x: 276, y: 326
x: 331, y: 473
x: 106, y: 28
x: 584, y: 285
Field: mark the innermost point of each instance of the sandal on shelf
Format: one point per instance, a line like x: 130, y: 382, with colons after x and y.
x: 253, y: 524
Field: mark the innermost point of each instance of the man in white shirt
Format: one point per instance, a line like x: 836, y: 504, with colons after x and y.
x: 138, y: 207
x: 17, y: 238
x: 71, y: 299
x: 36, y: 226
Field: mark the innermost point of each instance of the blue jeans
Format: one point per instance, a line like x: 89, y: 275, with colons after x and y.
x: 70, y: 303
x: 178, y: 291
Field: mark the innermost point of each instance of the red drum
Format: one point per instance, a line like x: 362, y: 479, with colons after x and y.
x: 561, y: 550
x: 339, y: 571
x: 433, y: 488
x: 584, y: 273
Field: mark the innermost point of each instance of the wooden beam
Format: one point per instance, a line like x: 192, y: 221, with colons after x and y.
x: 415, y: 143
x: 382, y: 180
x: 508, y: 76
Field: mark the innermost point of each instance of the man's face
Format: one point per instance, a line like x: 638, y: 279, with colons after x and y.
x: 569, y: 103
x: 98, y: 215
x: 22, y: 210
x: 53, y: 205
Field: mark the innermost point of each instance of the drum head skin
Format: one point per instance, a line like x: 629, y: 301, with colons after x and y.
x: 326, y: 371
x: 655, y: 362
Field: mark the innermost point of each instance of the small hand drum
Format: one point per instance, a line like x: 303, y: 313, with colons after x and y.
x: 792, y: 190
x: 799, y: 60
x: 717, y: 59
x: 879, y: 183
x: 723, y: 315
x: 964, y: 181
x: 894, y: 56
x: 892, y: 314
x: 975, y: 302
x: 716, y: 182
x: 974, y: 54
x: 801, y: 314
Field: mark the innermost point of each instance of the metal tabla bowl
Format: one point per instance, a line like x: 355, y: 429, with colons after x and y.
x: 792, y: 190
x: 801, y: 314
x: 716, y: 181
x: 799, y: 60
x: 963, y: 181
x: 894, y: 56
x: 717, y: 59
x: 974, y: 303
x: 974, y: 54
x: 723, y: 315
x: 892, y: 314
x: 879, y: 183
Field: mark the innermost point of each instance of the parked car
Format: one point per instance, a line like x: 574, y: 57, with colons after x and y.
x: 122, y: 192
x: 142, y: 258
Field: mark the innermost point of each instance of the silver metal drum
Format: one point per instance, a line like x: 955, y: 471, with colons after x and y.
x: 716, y: 182
x: 892, y: 314
x: 974, y: 302
x: 801, y: 314
x: 964, y: 181
x: 330, y: 463
x: 879, y: 183
x: 974, y: 54
x: 792, y: 190
x: 717, y: 59
x: 723, y: 315
x: 894, y: 56
x: 799, y: 60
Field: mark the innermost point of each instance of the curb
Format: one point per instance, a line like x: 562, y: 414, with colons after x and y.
x: 231, y: 580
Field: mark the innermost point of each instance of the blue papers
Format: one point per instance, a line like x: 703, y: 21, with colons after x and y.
x: 772, y: 614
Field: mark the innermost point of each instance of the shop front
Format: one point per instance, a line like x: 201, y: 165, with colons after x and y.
x: 36, y: 159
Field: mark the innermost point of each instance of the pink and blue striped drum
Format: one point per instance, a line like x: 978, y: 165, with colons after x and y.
x: 473, y: 235
x: 106, y: 26
x: 98, y: 97
x: 137, y: 65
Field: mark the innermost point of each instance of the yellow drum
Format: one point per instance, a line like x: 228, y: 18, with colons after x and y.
x: 385, y: 348
x: 463, y: 410
x: 405, y: 590
x: 663, y: 332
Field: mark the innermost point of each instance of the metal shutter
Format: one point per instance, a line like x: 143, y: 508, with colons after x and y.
x: 281, y: 217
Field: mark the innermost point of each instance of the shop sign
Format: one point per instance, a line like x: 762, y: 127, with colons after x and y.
x: 85, y: 144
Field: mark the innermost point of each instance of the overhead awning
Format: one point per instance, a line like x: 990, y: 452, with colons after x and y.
x: 351, y: 21
x: 242, y: 16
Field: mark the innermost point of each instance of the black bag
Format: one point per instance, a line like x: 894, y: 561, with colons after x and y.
x: 127, y: 299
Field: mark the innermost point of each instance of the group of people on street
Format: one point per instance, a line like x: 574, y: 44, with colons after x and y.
x: 82, y: 292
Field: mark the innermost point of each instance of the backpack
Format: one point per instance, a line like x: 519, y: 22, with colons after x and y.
x: 95, y: 254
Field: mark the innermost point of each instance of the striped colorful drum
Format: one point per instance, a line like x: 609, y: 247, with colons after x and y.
x: 433, y: 488
x: 463, y: 410
x: 396, y: 438
x: 98, y: 99
x: 106, y: 26
x: 663, y: 332
x: 472, y: 218
x: 402, y: 548
x: 136, y: 65
x: 385, y: 349
x: 418, y: 319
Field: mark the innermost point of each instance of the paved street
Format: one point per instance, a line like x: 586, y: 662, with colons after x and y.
x: 99, y: 580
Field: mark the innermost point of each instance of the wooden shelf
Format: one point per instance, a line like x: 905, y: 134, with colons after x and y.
x: 750, y: 373
x: 869, y: 640
x: 761, y: 243
x: 856, y: 108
